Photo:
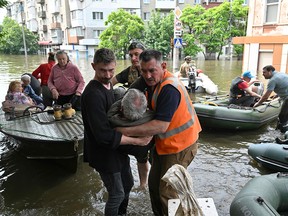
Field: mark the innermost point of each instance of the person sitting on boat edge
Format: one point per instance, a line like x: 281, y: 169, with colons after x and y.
x: 241, y: 92
x: 16, y: 98
x: 66, y: 81
x: 28, y: 90
x: 278, y: 83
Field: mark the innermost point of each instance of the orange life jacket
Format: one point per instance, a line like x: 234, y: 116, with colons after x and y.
x: 184, y: 128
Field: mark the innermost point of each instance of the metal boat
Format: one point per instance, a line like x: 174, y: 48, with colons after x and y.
x: 39, y: 136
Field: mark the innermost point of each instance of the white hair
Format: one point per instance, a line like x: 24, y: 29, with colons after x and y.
x: 134, y: 104
x: 25, y: 77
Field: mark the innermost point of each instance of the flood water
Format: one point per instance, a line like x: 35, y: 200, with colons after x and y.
x: 221, y: 167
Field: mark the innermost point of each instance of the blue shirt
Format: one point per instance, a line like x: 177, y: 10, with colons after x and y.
x: 279, y: 84
x: 31, y: 93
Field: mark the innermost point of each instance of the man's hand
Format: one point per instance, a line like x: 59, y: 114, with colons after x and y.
x: 143, y: 141
x: 55, y: 94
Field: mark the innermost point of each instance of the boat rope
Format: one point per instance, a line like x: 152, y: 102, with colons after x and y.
x: 261, y: 201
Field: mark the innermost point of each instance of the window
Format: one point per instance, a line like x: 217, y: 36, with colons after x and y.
x: 146, y: 1
x: 181, y: 1
x: 96, y: 33
x: 97, y: 15
x: 271, y: 10
x: 73, y: 15
x: 131, y: 11
x: 146, y: 16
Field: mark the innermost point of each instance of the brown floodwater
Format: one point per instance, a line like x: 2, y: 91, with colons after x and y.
x: 221, y: 167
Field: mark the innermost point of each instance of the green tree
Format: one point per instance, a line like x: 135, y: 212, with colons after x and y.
x: 213, y: 28
x: 11, y: 41
x: 123, y: 27
x: 159, y: 31
x: 191, y: 17
x: 3, y: 3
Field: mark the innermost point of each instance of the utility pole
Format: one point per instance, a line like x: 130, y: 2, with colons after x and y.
x: 23, y: 32
x: 177, y: 40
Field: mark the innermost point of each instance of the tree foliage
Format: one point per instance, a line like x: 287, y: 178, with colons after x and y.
x: 159, y: 32
x: 3, y: 3
x: 11, y: 40
x: 123, y: 28
x: 213, y: 28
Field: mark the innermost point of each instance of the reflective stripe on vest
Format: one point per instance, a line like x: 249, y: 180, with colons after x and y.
x: 188, y: 124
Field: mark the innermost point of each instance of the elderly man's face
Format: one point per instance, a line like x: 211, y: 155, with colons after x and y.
x: 152, y: 71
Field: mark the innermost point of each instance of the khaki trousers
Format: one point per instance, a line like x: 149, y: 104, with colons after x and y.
x: 160, y: 193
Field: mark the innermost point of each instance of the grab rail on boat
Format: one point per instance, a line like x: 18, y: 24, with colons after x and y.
x: 268, y: 104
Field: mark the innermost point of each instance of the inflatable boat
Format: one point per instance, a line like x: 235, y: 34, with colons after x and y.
x: 273, y: 156
x: 199, y: 83
x: 217, y: 113
x: 262, y: 196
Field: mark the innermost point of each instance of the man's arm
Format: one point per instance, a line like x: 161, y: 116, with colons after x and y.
x: 251, y: 93
x: 147, y: 129
x: 263, y: 98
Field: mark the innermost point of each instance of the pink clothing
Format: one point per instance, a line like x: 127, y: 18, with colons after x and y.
x: 18, y: 98
x: 66, y: 81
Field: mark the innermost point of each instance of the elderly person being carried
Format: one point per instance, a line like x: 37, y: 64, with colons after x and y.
x: 130, y: 111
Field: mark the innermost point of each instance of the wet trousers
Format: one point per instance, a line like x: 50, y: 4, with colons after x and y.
x: 118, y: 186
x: 159, y: 192
x: 283, y: 115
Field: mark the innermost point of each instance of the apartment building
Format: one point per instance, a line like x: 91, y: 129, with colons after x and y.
x: 75, y: 25
x: 266, y: 41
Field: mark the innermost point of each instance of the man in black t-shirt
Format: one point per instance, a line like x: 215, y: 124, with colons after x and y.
x: 131, y: 73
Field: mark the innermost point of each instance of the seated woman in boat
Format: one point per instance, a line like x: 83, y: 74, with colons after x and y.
x: 15, y: 98
x: 241, y: 92
x: 28, y: 90
x: 16, y: 95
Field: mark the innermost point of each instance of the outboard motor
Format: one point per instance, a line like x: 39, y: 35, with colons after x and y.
x: 192, y: 80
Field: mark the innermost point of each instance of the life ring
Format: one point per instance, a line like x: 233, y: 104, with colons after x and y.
x: 262, y: 195
x: 210, y: 103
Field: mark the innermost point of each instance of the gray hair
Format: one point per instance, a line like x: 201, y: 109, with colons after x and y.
x: 25, y: 77
x: 134, y: 104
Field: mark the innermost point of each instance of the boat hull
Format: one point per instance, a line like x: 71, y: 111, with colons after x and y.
x: 272, y: 156
x: 262, y: 195
x: 214, y: 114
x: 58, y: 141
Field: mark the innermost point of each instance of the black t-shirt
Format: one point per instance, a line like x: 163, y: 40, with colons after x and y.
x: 128, y: 75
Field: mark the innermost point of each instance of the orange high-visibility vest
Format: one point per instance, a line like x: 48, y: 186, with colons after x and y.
x: 184, y: 128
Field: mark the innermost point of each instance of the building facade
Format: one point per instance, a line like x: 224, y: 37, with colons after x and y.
x: 266, y: 42
x: 75, y: 25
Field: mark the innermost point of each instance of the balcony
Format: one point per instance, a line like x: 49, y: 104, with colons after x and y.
x: 40, y: 1
x: 42, y: 14
x: 55, y: 8
x: 44, y: 28
x: 55, y: 25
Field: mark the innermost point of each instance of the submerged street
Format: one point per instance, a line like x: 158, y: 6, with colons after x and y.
x: 219, y: 171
